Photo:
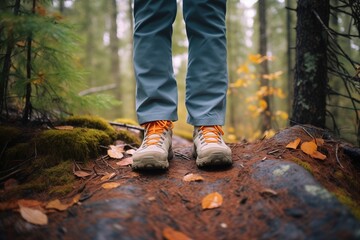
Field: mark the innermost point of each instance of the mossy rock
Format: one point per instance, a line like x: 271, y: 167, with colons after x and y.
x: 7, y: 134
x: 343, y: 197
x: 58, y: 179
x: 126, y: 121
x: 79, y: 144
x: 304, y: 164
x: 92, y: 122
x: 128, y: 137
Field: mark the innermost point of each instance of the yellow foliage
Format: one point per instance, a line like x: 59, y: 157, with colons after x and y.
x: 269, y: 133
x: 239, y: 83
x: 281, y: 114
x: 263, y: 104
x: 272, y: 76
x: 244, y: 68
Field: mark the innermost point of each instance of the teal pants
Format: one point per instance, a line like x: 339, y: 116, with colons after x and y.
x: 206, y: 79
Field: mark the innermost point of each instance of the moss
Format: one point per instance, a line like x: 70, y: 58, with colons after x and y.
x: 303, y: 164
x: 93, y: 122
x: 184, y: 134
x: 20, y: 151
x: 7, y: 134
x: 56, y: 179
x: 126, y: 121
x: 128, y: 137
x: 79, y: 144
x: 343, y: 197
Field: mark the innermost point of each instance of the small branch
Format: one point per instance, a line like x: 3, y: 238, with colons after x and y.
x: 98, y: 89
x: 127, y: 126
x: 336, y: 155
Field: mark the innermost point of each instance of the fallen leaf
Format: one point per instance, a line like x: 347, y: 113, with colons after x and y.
x: 192, y: 177
x: 171, y: 234
x: 125, y: 162
x: 319, y: 141
x: 308, y: 147
x: 115, y: 152
x: 33, y: 216
x: 56, y: 204
x: 269, y: 192
x: 110, y: 185
x: 29, y: 203
x: 318, y: 155
x: 212, y: 200
x: 82, y: 174
x: 294, y: 144
x: 64, y: 127
x: 108, y: 176
x: 76, y: 199
x: 130, y: 151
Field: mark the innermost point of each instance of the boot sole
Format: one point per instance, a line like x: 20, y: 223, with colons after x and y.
x: 215, y: 159
x: 152, y: 163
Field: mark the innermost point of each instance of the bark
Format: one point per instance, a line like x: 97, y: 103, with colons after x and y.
x: 28, y: 107
x: 265, y: 123
x: 90, y: 46
x: 114, y: 50
x: 289, y: 55
x: 61, y: 6
x: 7, y: 65
x: 311, y: 63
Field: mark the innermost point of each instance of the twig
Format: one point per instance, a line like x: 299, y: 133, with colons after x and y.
x: 336, y: 155
x: 178, y: 154
x: 308, y: 133
x: 127, y: 126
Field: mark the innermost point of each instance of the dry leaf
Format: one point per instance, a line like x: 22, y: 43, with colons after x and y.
x: 294, y: 144
x: 171, y: 234
x: 125, y: 162
x: 110, y: 185
x: 308, y: 147
x: 76, y: 199
x: 33, y: 216
x: 212, y: 200
x: 115, y: 152
x: 108, y: 176
x: 56, y: 204
x: 64, y: 127
x: 192, y: 177
x: 269, y: 192
x: 29, y: 203
x: 82, y: 174
x: 319, y: 141
x: 318, y: 155
x: 130, y: 151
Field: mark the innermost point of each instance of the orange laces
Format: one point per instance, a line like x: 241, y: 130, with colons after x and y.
x: 154, y: 131
x: 211, y: 134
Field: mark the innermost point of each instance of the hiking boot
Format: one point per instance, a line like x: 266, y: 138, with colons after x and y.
x: 210, y: 148
x: 155, y: 150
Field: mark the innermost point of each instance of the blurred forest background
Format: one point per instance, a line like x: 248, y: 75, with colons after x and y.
x: 80, y: 53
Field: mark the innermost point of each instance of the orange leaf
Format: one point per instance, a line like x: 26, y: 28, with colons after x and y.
x: 81, y: 174
x: 318, y: 155
x: 171, y: 234
x: 29, y: 203
x: 308, y: 147
x: 212, y: 200
x: 56, y: 204
x: 294, y: 144
x: 192, y: 177
x: 108, y: 176
x: 319, y: 141
x: 110, y: 185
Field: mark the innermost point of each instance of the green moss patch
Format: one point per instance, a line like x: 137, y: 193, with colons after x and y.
x: 79, y: 144
x: 345, y: 199
x: 128, y: 137
x: 304, y: 164
x: 93, y: 122
x: 126, y: 121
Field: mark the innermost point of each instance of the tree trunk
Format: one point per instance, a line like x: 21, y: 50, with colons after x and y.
x: 265, y: 123
x: 90, y: 46
x: 114, y: 50
x: 290, y: 75
x: 61, y: 6
x: 7, y: 65
x: 311, y: 63
x: 28, y: 107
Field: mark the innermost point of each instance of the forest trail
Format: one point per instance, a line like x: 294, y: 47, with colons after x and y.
x: 265, y: 196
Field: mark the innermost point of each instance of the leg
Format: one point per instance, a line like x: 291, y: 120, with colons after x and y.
x: 156, y: 90
x: 206, y: 80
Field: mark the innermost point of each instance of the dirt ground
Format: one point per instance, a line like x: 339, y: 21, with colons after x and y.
x: 266, y: 195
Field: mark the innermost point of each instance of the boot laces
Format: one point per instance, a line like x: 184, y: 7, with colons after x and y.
x: 155, y: 132
x: 211, y: 134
